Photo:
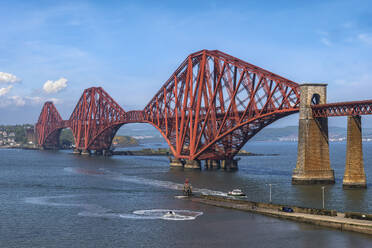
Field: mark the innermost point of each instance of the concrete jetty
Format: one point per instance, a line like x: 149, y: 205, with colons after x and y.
x: 319, y: 217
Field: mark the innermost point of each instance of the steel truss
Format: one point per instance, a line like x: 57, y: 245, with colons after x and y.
x: 208, y: 109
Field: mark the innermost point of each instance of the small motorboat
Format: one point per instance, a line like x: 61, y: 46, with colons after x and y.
x: 236, y: 192
x: 170, y: 214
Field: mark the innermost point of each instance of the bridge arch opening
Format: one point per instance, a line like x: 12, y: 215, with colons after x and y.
x: 61, y: 138
x: 138, y: 136
x: 115, y: 137
x: 315, y: 99
x: 230, y: 143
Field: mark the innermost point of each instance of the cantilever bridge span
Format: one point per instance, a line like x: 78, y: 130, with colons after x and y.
x: 208, y: 109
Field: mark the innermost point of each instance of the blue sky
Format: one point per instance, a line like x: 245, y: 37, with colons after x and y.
x: 130, y: 48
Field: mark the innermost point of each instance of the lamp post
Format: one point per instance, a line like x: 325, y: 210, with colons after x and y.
x: 270, y: 192
x: 323, y: 195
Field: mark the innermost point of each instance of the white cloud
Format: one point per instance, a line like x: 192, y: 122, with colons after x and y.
x: 18, y: 100
x: 326, y: 41
x: 5, y: 90
x: 34, y: 99
x: 55, y: 86
x: 365, y: 38
x: 8, y: 78
x: 54, y: 100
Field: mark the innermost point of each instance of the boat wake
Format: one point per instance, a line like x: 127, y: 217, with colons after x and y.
x: 139, y: 180
x: 93, y: 210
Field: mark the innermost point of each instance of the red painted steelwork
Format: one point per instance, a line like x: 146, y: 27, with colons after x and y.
x: 208, y: 109
x: 49, y: 125
x: 343, y: 109
x: 96, y: 119
x: 214, y: 103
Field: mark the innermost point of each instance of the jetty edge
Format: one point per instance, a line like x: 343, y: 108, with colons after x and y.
x: 348, y: 221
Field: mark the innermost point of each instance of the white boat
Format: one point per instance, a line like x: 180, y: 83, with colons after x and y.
x: 170, y: 214
x: 236, y: 192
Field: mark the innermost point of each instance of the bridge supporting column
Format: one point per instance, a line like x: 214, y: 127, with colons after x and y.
x: 229, y: 164
x: 107, y: 152
x: 76, y: 151
x: 212, y: 164
x: 175, y: 163
x: 215, y: 164
x: 98, y: 152
x: 192, y: 164
x: 313, y: 166
x: 354, y: 176
x: 85, y: 152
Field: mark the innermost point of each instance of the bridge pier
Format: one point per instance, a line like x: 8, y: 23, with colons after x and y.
x: 354, y: 176
x: 192, y: 164
x: 98, y: 152
x: 229, y: 164
x: 175, y: 163
x: 313, y: 165
x: 76, y: 151
x: 85, y: 152
x: 212, y: 164
x: 107, y: 152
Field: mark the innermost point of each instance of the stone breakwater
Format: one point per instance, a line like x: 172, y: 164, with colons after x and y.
x: 356, y: 222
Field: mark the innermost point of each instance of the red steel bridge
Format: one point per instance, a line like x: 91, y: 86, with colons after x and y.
x: 208, y: 109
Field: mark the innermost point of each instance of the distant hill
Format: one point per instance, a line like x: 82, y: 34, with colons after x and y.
x: 290, y: 133
x: 146, y: 133
x: 124, y: 141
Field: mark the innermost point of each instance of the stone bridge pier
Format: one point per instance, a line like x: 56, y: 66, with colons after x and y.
x: 313, y: 165
x: 354, y: 176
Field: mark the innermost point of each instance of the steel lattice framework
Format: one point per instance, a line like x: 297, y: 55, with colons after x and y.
x: 208, y: 109
x: 214, y: 103
x: 49, y: 125
x: 343, y: 109
x: 96, y: 119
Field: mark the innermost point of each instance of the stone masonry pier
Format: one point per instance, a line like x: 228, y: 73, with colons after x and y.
x: 313, y: 166
x: 354, y: 176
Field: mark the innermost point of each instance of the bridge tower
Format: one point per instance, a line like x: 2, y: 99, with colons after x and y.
x: 313, y: 166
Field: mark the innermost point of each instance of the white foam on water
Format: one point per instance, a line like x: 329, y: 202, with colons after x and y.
x: 180, y: 196
x: 164, y: 214
x: 48, y: 201
x: 93, y: 210
x: 145, y: 181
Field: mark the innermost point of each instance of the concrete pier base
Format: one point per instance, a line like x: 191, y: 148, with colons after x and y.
x: 313, y: 166
x: 207, y: 164
x: 85, y: 152
x: 222, y: 165
x: 76, y: 151
x: 229, y: 164
x: 175, y: 163
x: 212, y: 164
x: 107, y: 153
x: 354, y: 176
x: 192, y: 164
x: 98, y: 152
x: 215, y: 164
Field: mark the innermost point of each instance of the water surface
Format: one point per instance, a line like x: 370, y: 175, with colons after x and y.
x: 56, y: 199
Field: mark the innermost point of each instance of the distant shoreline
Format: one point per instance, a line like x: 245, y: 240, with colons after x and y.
x: 147, y: 152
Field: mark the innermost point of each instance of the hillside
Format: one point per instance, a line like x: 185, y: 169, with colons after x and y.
x: 124, y: 141
x: 145, y: 133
